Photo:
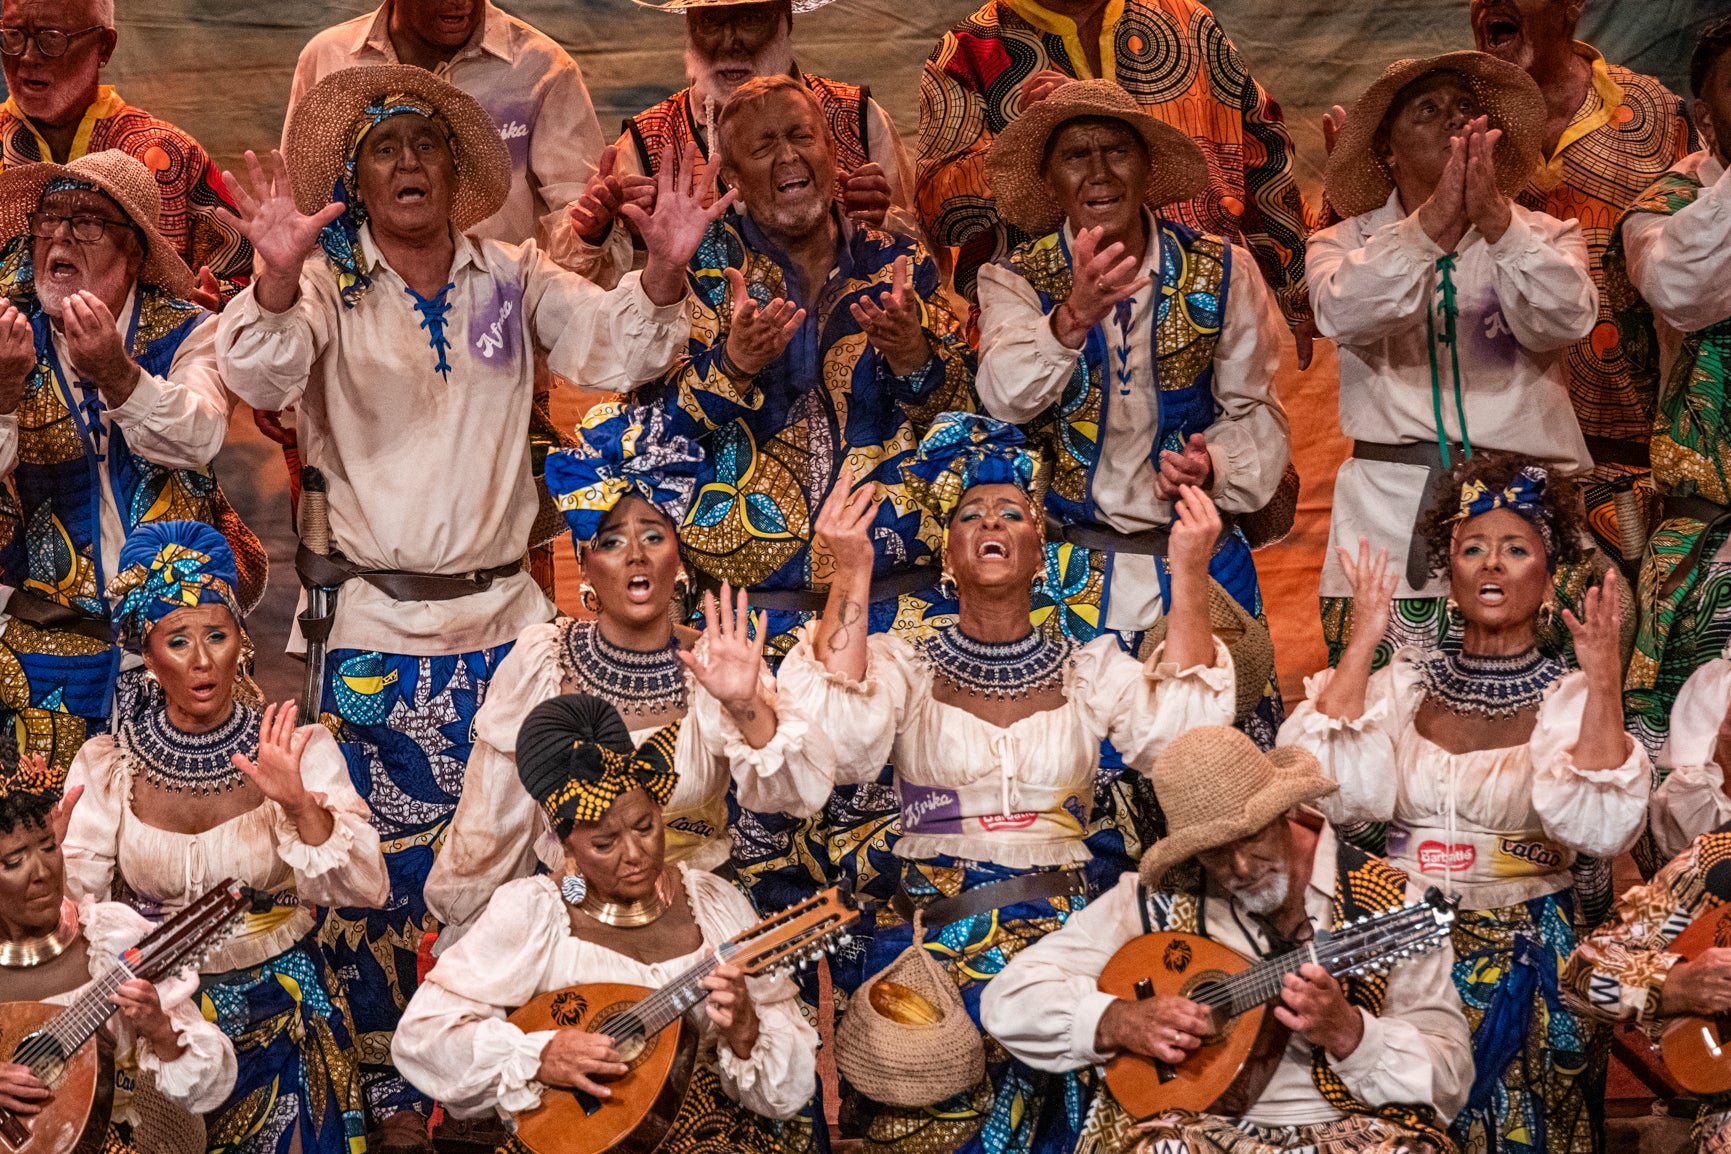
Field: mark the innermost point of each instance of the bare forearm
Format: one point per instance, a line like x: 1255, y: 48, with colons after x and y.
x: 1189, y: 640
x: 1343, y: 698
x: 313, y: 822
x: 841, y: 634
x: 755, y: 717
x: 1603, y: 743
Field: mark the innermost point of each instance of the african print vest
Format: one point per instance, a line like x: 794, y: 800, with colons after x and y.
x: 1363, y: 885
x: 1195, y: 276
x: 675, y: 122
x: 1692, y: 429
x: 50, y: 513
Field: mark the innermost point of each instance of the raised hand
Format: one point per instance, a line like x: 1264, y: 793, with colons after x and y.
x: 1100, y: 279
x: 1193, y: 466
x: 1041, y: 85
x: 17, y: 356
x: 1373, y: 585
x: 1165, y: 1029
x: 1313, y: 1007
x: 675, y: 228
x: 96, y: 349
x: 143, y: 1011
x: 865, y: 195
x: 1597, y: 632
x: 1195, y: 530
x: 572, y: 1057
x: 1444, y: 216
x: 892, y: 322
x: 732, y: 662
x: 1333, y: 124
x: 1486, y: 206
x: 282, y: 236
x: 277, y: 773
x: 606, y: 195
x: 844, y: 525
x: 758, y: 334
x: 208, y: 294
x: 60, y: 817
x: 730, y: 1007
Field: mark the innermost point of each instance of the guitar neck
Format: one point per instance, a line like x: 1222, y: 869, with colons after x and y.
x: 73, y: 1026
x: 662, y: 1008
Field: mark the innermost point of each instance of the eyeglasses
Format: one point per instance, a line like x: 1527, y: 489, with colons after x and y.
x: 85, y: 229
x: 50, y: 42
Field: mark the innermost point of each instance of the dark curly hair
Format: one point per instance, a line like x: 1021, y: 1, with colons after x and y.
x: 25, y: 810
x: 1565, y: 511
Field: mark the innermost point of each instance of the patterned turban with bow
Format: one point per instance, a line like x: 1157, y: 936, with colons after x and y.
x: 170, y: 565
x: 574, y: 757
x: 1523, y: 496
x: 622, y: 450
x: 962, y: 450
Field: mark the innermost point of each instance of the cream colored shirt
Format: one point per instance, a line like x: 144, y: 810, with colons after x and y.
x: 1045, y: 1007
x: 1691, y: 800
x: 427, y: 474
x: 1522, y: 302
x: 1024, y: 370
x: 529, y: 85
x: 1681, y: 264
x: 455, y: 1044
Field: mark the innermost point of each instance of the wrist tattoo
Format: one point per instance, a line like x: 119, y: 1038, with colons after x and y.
x: 846, y: 616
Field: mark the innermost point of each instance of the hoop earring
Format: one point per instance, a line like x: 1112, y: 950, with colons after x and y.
x: 586, y: 597
x: 682, y: 583
x: 1548, y: 612
x: 573, y: 888
x: 947, y: 585
x: 1039, y: 583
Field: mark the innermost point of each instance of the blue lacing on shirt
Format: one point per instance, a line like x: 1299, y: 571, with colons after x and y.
x: 433, y: 320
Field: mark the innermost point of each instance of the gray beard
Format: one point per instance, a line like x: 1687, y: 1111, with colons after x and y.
x: 1266, y: 898
x: 52, y: 299
x: 773, y: 59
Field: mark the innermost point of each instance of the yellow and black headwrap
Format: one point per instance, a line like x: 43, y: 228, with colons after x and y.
x: 574, y: 756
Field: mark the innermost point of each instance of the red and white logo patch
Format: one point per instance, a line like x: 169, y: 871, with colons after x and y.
x: 1434, y: 857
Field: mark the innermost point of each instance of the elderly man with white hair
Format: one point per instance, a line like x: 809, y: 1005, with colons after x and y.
x: 57, y: 109
x: 727, y: 42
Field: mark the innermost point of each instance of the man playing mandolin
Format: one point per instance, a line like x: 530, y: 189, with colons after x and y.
x: 1365, y: 1063
x: 50, y: 950
x: 619, y: 915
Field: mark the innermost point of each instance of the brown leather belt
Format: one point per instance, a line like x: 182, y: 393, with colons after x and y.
x: 1143, y: 543
x: 1612, y: 451
x: 1692, y: 508
x: 42, y: 613
x: 890, y: 585
x: 330, y: 571
x: 1426, y: 455
x: 1032, y: 887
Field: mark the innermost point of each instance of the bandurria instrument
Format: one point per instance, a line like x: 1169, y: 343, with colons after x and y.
x: 1697, y: 1050
x: 646, y: 1099
x: 1233, y: 1065
x: 55, y: 1041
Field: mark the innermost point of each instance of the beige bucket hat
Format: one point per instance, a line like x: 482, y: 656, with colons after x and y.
x: 1357, y: 180
x: 126, y: 182
x: 1215, y: 787
x: 1178, y: 170
x: 322, y: 130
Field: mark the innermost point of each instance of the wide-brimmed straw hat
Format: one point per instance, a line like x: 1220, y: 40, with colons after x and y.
x: 123, y: 180
x: 687, y: 5
x: 1177, y: 168
x: 322, y: 129
x: 1215, y: 787
x: 1358, y: 181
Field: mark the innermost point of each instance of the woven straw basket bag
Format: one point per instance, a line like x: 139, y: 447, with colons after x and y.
x: 888, y: 1043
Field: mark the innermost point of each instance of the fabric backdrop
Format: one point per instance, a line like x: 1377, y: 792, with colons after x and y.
x: 221, y: 70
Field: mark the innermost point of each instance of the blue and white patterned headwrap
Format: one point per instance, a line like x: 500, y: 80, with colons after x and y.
x: 1523, y: 496
x: 341, y: 239
x: 962, y: 450
x: 170, y: 565
x: 622, y: 450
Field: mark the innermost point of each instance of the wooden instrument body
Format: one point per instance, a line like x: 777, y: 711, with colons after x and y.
x: 1698, y: 1050
x: 75, y: 1120
x: 645, y: 1100
x: 1232, y: 1066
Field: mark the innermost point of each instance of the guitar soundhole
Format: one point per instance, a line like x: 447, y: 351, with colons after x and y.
x: 618, y: 1020
x: 1195, y: 988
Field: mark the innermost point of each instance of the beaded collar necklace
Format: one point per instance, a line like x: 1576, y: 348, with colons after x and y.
x: 997, y: 669
x: 1469, y: 683
x: 199, y: 763
x: 633, y: 680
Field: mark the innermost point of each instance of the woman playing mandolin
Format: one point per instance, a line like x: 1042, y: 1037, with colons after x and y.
x: 198, y: 786
x: 1495, y: 766
x: 994, y: 731
x: 52, y: 948
x: 624, y: 489
x: 620, y: 914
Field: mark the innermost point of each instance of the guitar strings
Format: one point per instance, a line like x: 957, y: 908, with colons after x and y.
x: 1261, y: 983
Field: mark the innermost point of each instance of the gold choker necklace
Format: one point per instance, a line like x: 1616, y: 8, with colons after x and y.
x: 33, y: 951
x: 627, y: 915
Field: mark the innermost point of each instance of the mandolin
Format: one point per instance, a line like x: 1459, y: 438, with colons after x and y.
x: 1697, y: 1050
x: 55, y: 1041
x: 647, y: 1098
x: 1234, y: 1063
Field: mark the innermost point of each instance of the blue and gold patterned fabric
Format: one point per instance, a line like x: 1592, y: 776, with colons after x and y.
x: 167, y: 566
x: 828, y: 407
x: 622, y: 450
x: 963, y: 450
x: 56, y: 686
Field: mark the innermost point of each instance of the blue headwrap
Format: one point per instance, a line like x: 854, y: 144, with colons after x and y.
x: 169, y: 565
x: 622, y: 450
x: 962, y: 450
x: 341, y: 239
x: 1524, y: 496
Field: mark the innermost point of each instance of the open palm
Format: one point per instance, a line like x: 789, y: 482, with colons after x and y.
x: 674, y: 229
x: 732, y: 660
x: 282, y: 236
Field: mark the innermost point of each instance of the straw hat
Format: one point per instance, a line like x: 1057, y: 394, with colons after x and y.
x: 687, y: 5
x: 1245, y: 638
x: 1215, y: 787
x: 126, y: 182
x: 323, y: 124
x: 1177, y: 168
x: 1357, y: 180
